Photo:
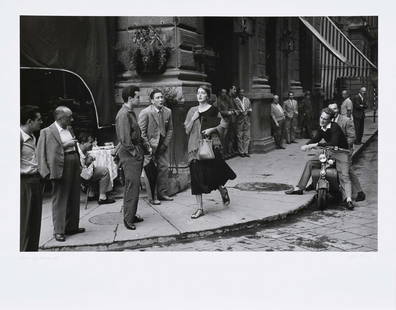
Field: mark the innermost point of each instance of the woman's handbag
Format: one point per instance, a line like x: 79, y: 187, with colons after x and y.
x: 205, y: 150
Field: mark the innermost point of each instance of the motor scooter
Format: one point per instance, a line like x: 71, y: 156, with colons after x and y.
x: 326, y: 177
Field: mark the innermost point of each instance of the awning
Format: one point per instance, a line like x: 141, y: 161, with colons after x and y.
x: 78, y: 45
x: 339, y: 57
x: 323, y: 40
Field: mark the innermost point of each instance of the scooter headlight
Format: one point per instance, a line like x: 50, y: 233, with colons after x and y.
x: 322, y: 158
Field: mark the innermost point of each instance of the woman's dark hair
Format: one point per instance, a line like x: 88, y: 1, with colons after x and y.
x: 28, y: 112
x: 206, y: 89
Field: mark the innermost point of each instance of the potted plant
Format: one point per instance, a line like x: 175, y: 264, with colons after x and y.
x: 147, y: 52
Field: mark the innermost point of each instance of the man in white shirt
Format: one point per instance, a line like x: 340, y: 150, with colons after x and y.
x: 59, y: 161
x: 31, y: 187
x: 347, y: 105
x: 94, y: 173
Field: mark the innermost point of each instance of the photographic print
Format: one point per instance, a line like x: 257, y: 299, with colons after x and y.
x: 199, y: 133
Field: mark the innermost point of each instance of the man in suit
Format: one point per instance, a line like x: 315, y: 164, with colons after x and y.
x: 291, y: 112
x: 348, y: 129
x: 243, y: 123
x: 227, y: 109
x: 31, y: 187
x: 332, y: 133
x: 306, y: 116
x: 359, y: 105
x: 59, y: 161
x: 130, y: 150
x: 156, y: 125
x: 277, y: 122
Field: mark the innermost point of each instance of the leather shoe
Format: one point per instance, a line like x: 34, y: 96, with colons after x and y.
x: 166, y: 198
x: 154, y: 202
x: 294, y: 192
x: 360, y: 196
x: 77, y: 231
x: 138, y: 219
x: 60, y: 237
x: 349, y: 205
x: 129, y: 226
x: 106, y: 201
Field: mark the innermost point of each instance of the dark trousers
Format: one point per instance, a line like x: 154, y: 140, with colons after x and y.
x: 30, y: 217
x: 359, y: 128
x: 162, y: 162
x: 278, y: 132
x: 306, y: 128
x: 231, y: 138
x: 66, y: 196
x: 306, y: 175
x: 132, y: 167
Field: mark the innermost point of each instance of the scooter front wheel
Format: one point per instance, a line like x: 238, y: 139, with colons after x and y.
x: 321, y: 200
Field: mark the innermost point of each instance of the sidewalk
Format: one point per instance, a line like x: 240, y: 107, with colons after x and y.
x: 257, y: 195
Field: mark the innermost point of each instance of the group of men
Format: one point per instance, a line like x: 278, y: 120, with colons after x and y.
x: 287, y: 118
x: 60, y: 158
x: 236, y: 109
x: 338, y: 130
x: 145, y: 140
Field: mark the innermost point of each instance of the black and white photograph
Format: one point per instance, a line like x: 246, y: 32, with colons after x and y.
x: 199, y: 133
x: 198, y: 155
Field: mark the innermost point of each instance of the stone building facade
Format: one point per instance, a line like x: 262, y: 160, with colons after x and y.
x: 263, y: 55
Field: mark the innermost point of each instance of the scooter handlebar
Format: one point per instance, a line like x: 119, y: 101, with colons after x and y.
x: 333, y: 148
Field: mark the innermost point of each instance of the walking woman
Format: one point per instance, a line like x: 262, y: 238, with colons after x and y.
x: 209, y: 174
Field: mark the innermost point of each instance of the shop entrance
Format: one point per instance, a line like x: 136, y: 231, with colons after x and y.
x: 50, y: 88
x: 221, y: 68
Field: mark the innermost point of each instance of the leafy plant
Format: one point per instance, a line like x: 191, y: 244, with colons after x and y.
x: 147, y: 52
x: 171, y: 96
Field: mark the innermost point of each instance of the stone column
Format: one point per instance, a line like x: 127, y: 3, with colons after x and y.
x: 182, y: 75
x: 294, y: 59
x: 260, y: 92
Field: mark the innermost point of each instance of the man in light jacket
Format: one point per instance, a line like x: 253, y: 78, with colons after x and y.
x: 291, y: 112
x: 156, y: 126
x: 59, y: 161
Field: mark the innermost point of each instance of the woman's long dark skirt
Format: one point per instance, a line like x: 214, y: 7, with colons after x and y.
x: 208, y: 175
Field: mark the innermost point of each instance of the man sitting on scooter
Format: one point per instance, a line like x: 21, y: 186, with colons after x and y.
x: 332, y: 133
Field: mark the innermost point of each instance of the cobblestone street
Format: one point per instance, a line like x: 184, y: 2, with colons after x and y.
x: 335, y: 229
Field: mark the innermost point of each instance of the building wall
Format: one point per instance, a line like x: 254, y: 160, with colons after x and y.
x: 192, y: 59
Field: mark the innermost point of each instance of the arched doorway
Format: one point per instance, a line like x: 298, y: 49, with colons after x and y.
x: 48, y: 88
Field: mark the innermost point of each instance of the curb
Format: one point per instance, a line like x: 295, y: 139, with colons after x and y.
x: 364, y: 145
x: 145, y: 242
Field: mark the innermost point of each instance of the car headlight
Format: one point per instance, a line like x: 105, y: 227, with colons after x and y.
x: 322, y: 158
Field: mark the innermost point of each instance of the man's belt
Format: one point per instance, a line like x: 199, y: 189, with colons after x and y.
x: 70, y: 152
